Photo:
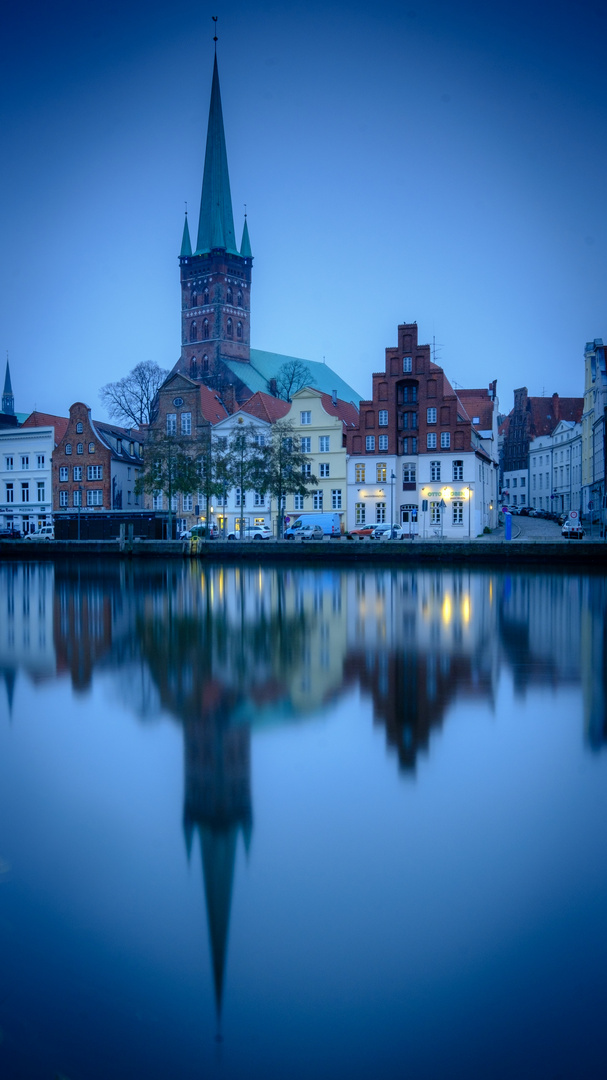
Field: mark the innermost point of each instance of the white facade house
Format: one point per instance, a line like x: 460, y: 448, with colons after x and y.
x: 555, y: 469
x: 26, y: 497
x: 594, y: 493
x: 234, y: 506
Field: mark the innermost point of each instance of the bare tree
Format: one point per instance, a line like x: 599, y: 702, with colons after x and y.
x: 291, y: 377
x: 131, y: 400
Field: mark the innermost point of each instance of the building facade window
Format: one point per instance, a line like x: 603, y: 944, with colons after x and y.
x: 435, y: 513
x: 41, y: 461
x: 382, y: 417
x: 193, y: 332
x: 94, y: 472
x: 359, y: 513
x: 186, y: 423
x: 258, y: 499
x: 383, y: 442
x: 63, y: 498
x: 77, y: 498
x: 79, y: 428
x: 238, y: 497
x: 431, y: 440
x: 359, y: 473
x: 370, y: 443
x: 91, y: 448
x: 25, y: 492
x: 407, y: 364
x: 458, y: 470
x: 431, y: 416
x: 306, y: 444
x: 10, y: 493
x: 298, y: 502
x: 305, y: 417
x: 324, y: 469
x: 188, y: 504
x: 380, y: 512
x: 68, y: 448
x: 10, y: 463
x: 171, y: 423
x: 317, y: 500
x: 445, y: 440
x: 229, y: 328
x: 157, y: 500
x: 77, y: 472
x: 336, y: 499
x: 409, y: 472
x: 25, y: 461
x: 64, y: 473
x: 323, y: 444
x: 80, y: 448
x: 435, y: 470
x: 380, y: 472
x: 306, y: 468
x: 94, y: 497
x: 458, y: 512
x: 239, y: 329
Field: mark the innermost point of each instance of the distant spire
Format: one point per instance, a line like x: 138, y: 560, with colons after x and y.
x: 8, y: 401
x: 186, y: 246
x: 216, y: 218
x: 245, y: 247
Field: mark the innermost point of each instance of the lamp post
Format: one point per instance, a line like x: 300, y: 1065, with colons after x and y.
x: 79, y: 490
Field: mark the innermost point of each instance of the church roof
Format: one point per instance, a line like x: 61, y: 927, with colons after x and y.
x: 216, y: 224
x: 265, y: 366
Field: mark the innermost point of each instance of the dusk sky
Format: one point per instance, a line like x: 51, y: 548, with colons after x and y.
x: 436, y: 162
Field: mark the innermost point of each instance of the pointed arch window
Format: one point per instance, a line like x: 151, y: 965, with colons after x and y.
x: 239, y: 330
x: 205, y: 364
x: 205, y: 329
x: 230, y: 328
x: 229, y: 295
x: 193, y: 368
x: 193, y: 332
x: 239, y: 299
x: 205, y: 296
x: 194, y: 299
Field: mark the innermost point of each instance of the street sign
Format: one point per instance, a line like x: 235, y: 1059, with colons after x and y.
x: 573, y: 515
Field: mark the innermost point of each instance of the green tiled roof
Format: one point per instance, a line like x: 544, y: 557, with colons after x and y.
x: 265, y: 366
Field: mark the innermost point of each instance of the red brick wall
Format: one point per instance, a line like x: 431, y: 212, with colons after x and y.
x: 80, y: 413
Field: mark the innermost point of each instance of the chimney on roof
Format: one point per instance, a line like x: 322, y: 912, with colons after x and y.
x: 334, y: 397
x: 228, y: 397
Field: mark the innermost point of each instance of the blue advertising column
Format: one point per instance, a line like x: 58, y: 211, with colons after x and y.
x: 508, y: 524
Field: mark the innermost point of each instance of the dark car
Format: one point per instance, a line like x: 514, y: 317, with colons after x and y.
x: 525, y: 511
x: 10, y: 534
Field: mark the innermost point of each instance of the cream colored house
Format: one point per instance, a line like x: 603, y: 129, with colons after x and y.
x: 321, y: 420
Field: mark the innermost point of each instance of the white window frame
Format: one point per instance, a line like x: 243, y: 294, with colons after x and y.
x: 370, y: 443
x: 445, y: 440
x: 186, y: 423
x: 431, y: 440
x: 431, y: 415
x: 171, y: 423
x: 382, y: 442
x: 305, y: 417
x: 324, y: 443
x: 382, y: 418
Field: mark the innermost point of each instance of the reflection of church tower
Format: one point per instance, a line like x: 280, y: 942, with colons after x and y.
x: 217, y: 806
x: 216, y: 275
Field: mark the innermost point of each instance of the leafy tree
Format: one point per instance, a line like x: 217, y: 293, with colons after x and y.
x: 291, y: 377
x: 284, y: 467
x: 131, y: 400
x: 169, y: 469
x: 245, y: 463
x: 213, y: 471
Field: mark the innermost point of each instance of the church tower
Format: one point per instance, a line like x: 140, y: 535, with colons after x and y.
x: 216, y: 275
x: 8, y: 401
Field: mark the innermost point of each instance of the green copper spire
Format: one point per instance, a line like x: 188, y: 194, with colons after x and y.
x: 186, y: 247
x: 8, y: 401
x: 216, y: 220
x: 245, y: 247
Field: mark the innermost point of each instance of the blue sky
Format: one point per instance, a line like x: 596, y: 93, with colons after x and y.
x: 418, y: 161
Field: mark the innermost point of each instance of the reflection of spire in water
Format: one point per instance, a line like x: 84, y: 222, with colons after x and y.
x: 9, y: 676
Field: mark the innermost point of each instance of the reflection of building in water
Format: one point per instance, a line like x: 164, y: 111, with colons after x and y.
x: 26, y: 622
x: 593, y: 650
x: 540, y: 628
x: 418, y: 641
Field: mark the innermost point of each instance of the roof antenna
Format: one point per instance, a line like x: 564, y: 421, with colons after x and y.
x: 215, y: 39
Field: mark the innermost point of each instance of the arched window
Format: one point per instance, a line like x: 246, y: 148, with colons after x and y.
x: 193, y: 368
x: 230, y: 328
x: 205, y: 328
x: 205, y: 296
x: 239, y: 299
x: 205, y: 364
x: 239, y: 330
x: 80, y: 448
x: 229, y: 295
x: 194, y: 299
x: 193, y: 332
x: 79, y: 427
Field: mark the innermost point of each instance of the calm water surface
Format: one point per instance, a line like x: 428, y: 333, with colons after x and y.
x: 301, y: 823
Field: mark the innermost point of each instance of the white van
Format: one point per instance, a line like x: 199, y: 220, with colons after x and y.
x: 47, y: 532
x: 329, y: 523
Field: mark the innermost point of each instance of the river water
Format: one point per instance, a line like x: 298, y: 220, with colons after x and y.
x: 298, y: 823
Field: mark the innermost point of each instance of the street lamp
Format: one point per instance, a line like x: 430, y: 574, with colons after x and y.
x: 79, y: 490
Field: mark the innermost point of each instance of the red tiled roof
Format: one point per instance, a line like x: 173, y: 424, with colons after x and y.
x: 345, y: 410
x: 211, y: 406
x: 266, y: 407
x: 41, y: 419
x: 547, y: 412
x: 478, y: 403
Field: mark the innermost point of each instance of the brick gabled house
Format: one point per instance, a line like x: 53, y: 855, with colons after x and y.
x: 95, y: 465
x: 531, y: 418
x: 418, y: 457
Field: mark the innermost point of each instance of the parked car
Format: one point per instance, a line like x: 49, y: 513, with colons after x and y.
x: 10, y: 534
x: 365, y: 532
x: 389, y: 532
x: 252, y: 532
x: 525, y: 511
x: 329, y: 523
x: 310, y: 532
x: 572, y: 530
x: 201, y: 531
x: 47, y: 532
